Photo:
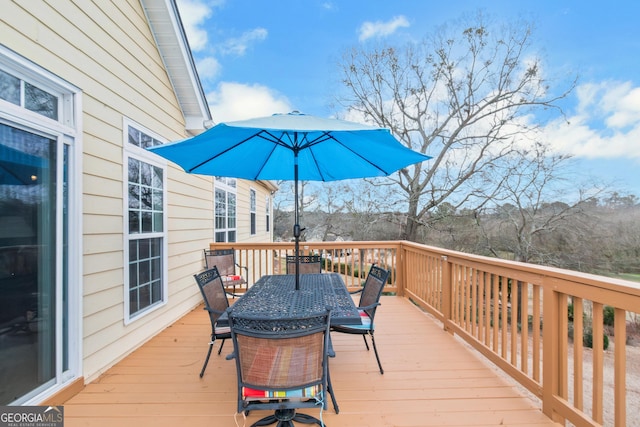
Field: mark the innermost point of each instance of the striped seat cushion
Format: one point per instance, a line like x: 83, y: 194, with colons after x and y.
x: 309, y: 392
x: 222, y: 330
x: 365, y: 321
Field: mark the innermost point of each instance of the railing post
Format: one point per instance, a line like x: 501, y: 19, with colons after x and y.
x: 550, y: 351
x: 447, y: 292
x: 401, y: 269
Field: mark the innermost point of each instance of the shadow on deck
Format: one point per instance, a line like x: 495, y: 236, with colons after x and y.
x: 430, y: 379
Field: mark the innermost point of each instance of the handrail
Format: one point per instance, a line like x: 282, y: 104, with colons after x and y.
x: 486, y: 301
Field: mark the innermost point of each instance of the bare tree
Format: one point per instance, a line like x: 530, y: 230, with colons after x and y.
x: 523, y: 223
x: 461, y: 97
x: 284, y: 201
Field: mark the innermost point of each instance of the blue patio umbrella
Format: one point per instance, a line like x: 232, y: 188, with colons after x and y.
x: 291, y: 146
x: 19, y: 168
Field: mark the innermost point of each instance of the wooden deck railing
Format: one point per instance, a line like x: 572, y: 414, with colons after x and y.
x: 529, y: 320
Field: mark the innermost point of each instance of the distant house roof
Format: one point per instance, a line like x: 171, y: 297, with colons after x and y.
x: 170, y: 37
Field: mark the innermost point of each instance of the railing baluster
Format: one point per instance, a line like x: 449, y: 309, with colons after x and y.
x: 598, y: 363
x: 620, y: 363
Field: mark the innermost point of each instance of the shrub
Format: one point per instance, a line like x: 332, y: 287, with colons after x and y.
x: 608, y: 315
x: 587, y: 339
x: 570, y: 312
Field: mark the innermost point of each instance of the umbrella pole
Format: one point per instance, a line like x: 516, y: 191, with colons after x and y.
x: 296, y: 225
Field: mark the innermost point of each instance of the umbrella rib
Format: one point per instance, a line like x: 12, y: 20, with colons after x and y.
x: 239, y: 143
x: 329, y: 136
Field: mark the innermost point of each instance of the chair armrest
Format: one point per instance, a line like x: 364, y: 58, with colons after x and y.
x: 246, y: 270
x: 357, y: 292
x: 369, y: 307
x: 230, y: 356
x: 231, y: 294
x: 211, y: 310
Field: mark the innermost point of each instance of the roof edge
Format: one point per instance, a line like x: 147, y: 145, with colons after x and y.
x: 161, y: 15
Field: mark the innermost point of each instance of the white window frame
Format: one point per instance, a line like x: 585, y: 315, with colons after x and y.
x: 228, y: 186
x: 67, y: 131
x: 140, y: 154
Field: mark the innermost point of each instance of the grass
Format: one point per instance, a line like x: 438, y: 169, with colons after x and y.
x: 629, y: 276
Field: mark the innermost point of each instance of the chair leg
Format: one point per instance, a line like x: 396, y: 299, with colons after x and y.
x: 207, y: 358
x: 373, y: 341
x: 364, y: 337
x: 221, y: 344
x: 333, y: 397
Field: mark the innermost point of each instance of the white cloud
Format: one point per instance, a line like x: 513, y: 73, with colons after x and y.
x: 193, y: 14
x: 237, y: 101
x: 208, y: 68
x: 606, y: 123
x: 238, y: 46
x: 380, y: 29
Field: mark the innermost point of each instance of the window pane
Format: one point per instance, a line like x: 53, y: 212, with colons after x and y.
x: 133, y: 301
x: 157, y: 177
x: 134, y: 222
x: 147, y: 225
x: 146, y: 174
x: 146, y: 141
x: 231, y: 222
x: 134, y: 170
x: 133, y: 275
x: 157, y: 222
x: 145, y: 272
x: 9, y: 88
x: 157, y: 200
x: 253, y: 223
x: 28, y: 261
x: 144, y: 297
x: 145, y: 198
x: 145, y: 263
x: 156, y: 290
x: 220, y: 210
x: 41, y: 102
x: 134, y: 136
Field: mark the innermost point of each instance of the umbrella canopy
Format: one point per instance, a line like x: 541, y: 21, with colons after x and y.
x: 18, y: 168
x: 291, y: 146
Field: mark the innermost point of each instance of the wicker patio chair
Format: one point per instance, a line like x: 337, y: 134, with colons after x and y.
x: 282, y: 365
x: 215, y: 302
x: 369, y: 302
x: 230, y: 270
x: 308, y: 264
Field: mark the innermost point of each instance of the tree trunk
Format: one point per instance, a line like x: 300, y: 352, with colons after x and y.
x: 411, y: 228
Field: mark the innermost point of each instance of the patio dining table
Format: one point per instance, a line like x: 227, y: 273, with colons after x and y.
x: 275, y: 296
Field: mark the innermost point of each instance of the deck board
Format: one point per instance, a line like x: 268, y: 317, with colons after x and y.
x: 431, y: 379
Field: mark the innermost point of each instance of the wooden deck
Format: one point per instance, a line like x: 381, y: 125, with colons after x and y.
x: 430, y: 379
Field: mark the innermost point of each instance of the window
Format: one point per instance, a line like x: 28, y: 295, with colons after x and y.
x: 40, y: 248
x: 225, y: 210
x: 146, y: 234
x: 28, y: 95
x: 252, y: 209
x: 267, y: 202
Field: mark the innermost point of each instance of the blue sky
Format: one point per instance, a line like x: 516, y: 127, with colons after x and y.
x: 259, y: 57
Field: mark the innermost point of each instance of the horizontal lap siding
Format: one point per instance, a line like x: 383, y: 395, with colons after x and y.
x: 107, y: 50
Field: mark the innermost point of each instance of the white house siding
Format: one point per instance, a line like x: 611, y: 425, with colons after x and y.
x: 107, y: 49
